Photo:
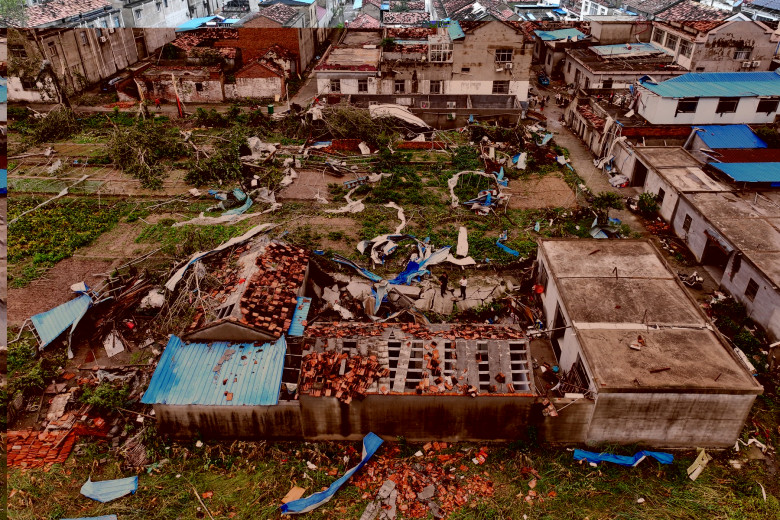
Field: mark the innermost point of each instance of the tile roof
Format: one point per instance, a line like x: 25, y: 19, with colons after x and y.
x: 405, y: 18
x: 55, y: 10
x: 269, y: 296
x: 217, y: 374
x: 729, y: 136
x: 718, y: 84
x: 364, y: 21
x: 465, y: 331
x: 588, y: 114
x: 483, y: 9
x: 411, y: 33
x: 691, y: 10
x: 411, y: 5
x: 751, y: 172
x: 279, y: 13
x: 769, y: 4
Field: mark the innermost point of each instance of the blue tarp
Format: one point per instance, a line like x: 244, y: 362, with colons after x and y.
x: 357, y: 4
x: 109, y: 490
x: 371, y: 443
x: 546, y: 139
x: 507, y: 249
x: 623, y: 460
x: 411, y: 272
x: 3, y: 181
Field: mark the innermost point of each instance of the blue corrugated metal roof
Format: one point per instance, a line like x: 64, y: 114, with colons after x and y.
x: 455, y: 30
x: 196, y: 23
x: 751, y: 172
x: 50, y: 324
x: 358, y: 4
x: 560, y: 34
x: 718, y: 84
x: 191, y: 373
x: 3, y: 181
x: 729, y: 136
x: 299, y: 316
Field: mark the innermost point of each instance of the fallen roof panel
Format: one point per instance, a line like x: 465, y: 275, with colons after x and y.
x: 50, y: 324
x: 222, y: 373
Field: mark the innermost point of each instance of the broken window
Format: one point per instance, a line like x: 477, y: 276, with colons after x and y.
x: 543, y: 276
x: 435, y: 87
x: 686, y: 48
x: 658, y: 36
x: 18, y: 51
x: 727, y: 105
x: 504, y: 55
x: 687, y: 223
x: 751, y: 290
x: 671, y: 41
x: 501, y: 87
x: 199, y: 87
x: 27, y: 83
x: 335, y: 85
x: 743, y: 53
x: 400, y: 86
x: 660, y: 197
x: 362, y: 85
x: 767, y: 106
x: 440, y: 52
x: 687, y: 106
x: 607, y: 83
x: 579, y: 375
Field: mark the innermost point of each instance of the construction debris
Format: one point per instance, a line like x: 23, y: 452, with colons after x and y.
x: 108, y: 490
x: 695, y: 469
x: 342, y: 376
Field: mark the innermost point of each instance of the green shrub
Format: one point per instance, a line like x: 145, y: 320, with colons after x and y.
x: 648, y: 203
x: 105, y: 396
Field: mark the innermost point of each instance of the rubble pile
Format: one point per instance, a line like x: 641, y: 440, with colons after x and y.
x: 344, y: 377
x: 456, y: 331
x: 433, y: 483
x: 35, y: 449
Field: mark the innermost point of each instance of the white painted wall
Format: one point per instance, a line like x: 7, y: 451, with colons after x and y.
x: 653, y: 184
x: 350, y: 85
x: 661, y: 111
x: 694, y: 237
x: 18, y: 94
x: 254, y: 88
x: 765, y: 307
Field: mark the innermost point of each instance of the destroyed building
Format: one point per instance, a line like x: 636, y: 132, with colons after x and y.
x: 625, y: 328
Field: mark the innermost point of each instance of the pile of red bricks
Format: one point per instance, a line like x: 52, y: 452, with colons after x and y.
x: 444, y: 471
x: 271, y: 295
x: 27, y: 449
x: 465, y: 331
x: 331, y: 374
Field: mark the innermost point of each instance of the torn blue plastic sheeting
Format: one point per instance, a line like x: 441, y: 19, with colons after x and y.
x: 500, y: 173
x: 4, y: 182
x: 471, y: 118
x: 507, y: 249
x: 570, y: 166
x: 108, y: 490
x: 50, y: 324
x: 104, y: 517
x: 537, y: 226
x: 516, y: 158
x: 411, y: 272
x: 361, y: 270
x: 238, y: 194
x: 546, y: 139
x: 371, y: 443
x: 219, y: 195
x: 623, y: 460
x: 241, y: 209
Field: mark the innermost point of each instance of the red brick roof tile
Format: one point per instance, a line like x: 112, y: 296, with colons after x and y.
x: 55, y: 10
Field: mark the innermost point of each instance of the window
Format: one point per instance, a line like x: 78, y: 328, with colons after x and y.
x: 400, y: 86
x: 104, y: 24
x: 607, y: 83
x: 138, y: 13
x: 727, y: 105
x: 440, y: 52
x: 362, y: 85
x: 671, y: 41
x: 465, y: 70
x: 687, y: 223
x: 687, y: 106
x: 83, y: 37
x: 166, y: 3
x: 18, y: 51
x: 658, y: 36
x: 743, y: 53
x: 686, y: 48
x: 116, y: 22
x: 28, y: 83
x: 435, y: 87
x: 543, y: 276
x: 568, y: 67
x: 335, y: 85
x: 99, y: 32
x: 660, y: 197
x: 501, y: 87
x: 503, y: 55
x: 767, y: 106
x: 199, y: 87
x: 52, y: 49
x: 751, y: 290
x: 699, y: 69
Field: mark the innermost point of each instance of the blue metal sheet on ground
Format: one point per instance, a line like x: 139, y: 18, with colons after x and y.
x: 50, y: 324
x: 371, y: 443
x: 108, y: 490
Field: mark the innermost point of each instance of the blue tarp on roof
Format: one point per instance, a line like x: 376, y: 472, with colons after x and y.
x: 729, y: 136
x: 299, y: 316
x: 196, y: 23
x: 455, y: 31
x: 208, y: 373
x: 108, y: 490
x: 751, y: 172
x: 560, y: 34
x: 50, y: 324
x: 718, y: 84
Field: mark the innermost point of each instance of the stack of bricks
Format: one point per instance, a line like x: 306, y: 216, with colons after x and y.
x: 271, y: 295
x: 468, y: 331
x: 330, y: 374
x: 28, y: 449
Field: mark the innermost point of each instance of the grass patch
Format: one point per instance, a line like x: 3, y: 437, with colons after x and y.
x: 186, y: 240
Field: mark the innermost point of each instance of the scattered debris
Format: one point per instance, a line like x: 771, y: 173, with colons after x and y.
x: 108, y: 490
x: 623, y: 460
x: 294, y: 494
x: 695, y: 469
x: 384, y: 506
x: 341, y: 376
x: 371, y: 443
x: 113, y: 344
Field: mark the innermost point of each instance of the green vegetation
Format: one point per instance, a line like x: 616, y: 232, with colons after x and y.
x: 186, y: 240
x: 28, y: 374
x: 106, y: 397
x: 648, y: 203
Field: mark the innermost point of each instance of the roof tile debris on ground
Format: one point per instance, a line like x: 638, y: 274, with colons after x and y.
x: 470, y: 331
x: 587, y: 113
x: 339, y: 375
x: 35, y: 449
x: 430, y: 484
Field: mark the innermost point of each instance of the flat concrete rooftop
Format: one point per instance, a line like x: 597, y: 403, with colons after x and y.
x: 695, y: 359
x: 598, y: 259
x: 667, y: 157
x: 351, y: 59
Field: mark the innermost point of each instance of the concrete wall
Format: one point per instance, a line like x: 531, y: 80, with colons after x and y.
x: 661, y: 111
x: 653, y: 184
x: 694, y: 237
x: 765, y: 307
x: 156, y: 38
x: 282, y: 421
x: 625, y: 159
x: 612, y: 33
x: 620, y: 79
x: 163, y: 88
x: 349, y: 82
x: 255, y: 88
x: 146, y: 13
x: 669, y: 420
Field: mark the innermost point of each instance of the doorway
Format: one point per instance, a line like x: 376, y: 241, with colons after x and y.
x: 640, y: 175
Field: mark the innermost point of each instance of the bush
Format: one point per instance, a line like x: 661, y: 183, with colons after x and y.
x: 59, y: 123
x: 466, y: 158
x: 648, y: 203
x: 105, y: 396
